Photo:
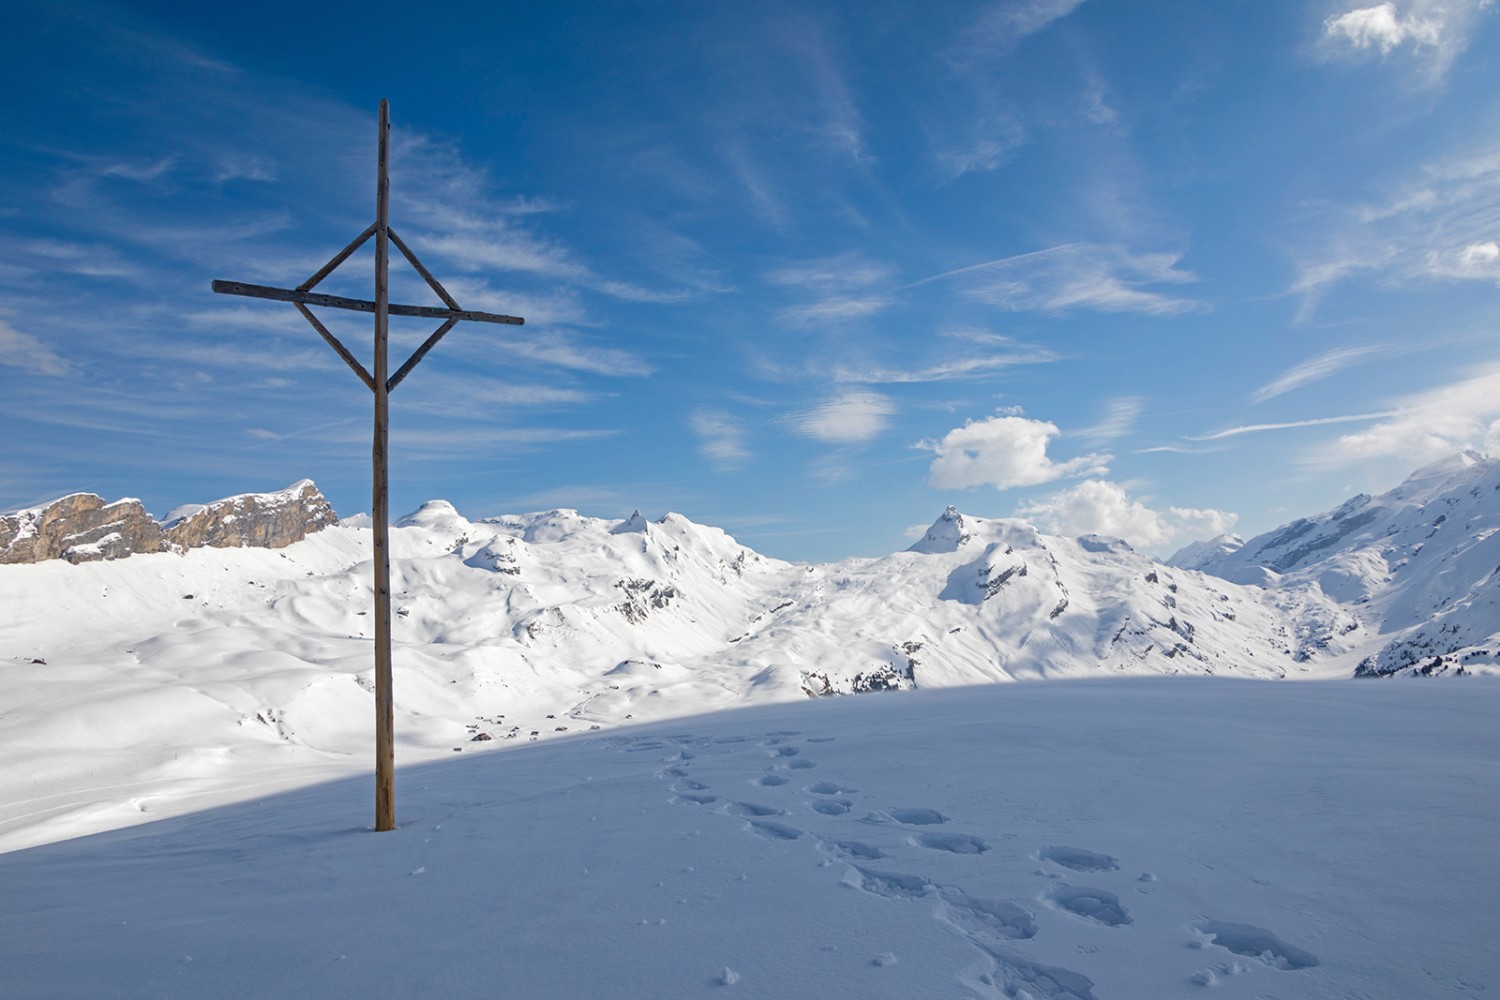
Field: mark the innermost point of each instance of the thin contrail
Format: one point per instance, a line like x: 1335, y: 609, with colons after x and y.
x: 990, y: 263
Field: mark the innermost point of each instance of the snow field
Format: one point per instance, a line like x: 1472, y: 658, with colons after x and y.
x: 1122, y: 839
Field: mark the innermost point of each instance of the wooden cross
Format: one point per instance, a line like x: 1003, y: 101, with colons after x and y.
x: 381, y: 385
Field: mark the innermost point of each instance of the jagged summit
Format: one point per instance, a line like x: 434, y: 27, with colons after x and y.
x: 947, y: 533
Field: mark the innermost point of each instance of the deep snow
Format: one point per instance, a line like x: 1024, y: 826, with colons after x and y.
x: 1109, y: 839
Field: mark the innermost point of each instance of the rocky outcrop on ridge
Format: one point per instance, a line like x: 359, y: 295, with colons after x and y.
x: 82, y: 527
x: 264, y: 520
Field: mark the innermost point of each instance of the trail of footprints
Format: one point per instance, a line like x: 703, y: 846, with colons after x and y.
x: 990, y: 926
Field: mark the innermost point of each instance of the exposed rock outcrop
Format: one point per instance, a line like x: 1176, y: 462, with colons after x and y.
x: 83, y: 528
x: 264, y: 520
x: 80, y: 527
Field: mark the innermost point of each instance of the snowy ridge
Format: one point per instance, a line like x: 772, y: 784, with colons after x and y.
x: 1416, y: 565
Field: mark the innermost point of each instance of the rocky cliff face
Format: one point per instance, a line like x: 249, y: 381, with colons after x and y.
x: 79, y: 528
x: 265, y: 520
x: 83, y: 528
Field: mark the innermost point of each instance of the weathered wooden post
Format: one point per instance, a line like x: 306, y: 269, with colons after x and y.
x: 380, y: 513
x: 381, y: 384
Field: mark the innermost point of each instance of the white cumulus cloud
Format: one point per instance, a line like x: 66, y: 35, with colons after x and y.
x: 1381, y: 27
x: 1101, y: 507
x: 1004, y: 452
x: 1436, y: 31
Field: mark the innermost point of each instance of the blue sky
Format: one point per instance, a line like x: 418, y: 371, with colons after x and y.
x: 809, y: 272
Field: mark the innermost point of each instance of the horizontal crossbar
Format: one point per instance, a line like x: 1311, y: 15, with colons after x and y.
x: 358, y: 305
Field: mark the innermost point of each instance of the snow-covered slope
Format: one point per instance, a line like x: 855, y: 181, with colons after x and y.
x: 217, y: 667
x: 1166, y: 839
x: 1417, y: 566
x: 214, y: 670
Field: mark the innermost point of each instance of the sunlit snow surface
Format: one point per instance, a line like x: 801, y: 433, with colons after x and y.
x: 1138, y: 838
x: 141, y: 687
x: 572, y: 824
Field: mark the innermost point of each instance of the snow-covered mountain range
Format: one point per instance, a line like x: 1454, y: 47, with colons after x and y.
x: 1414, y: 570
x: 209, y: 667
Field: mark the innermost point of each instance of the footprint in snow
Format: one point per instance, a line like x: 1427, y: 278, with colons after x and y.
x: 785, y: 751
x: 829, y: 788
x: 832, y: 807
x: 801, y: 764
x: 1257, y: 942
x: 773, y: 831
x: 918, y: 817
x: 1078, y: 859
x: 953, y: 843
x: 770, y: 780
x: 1091, y: 904
x: 753, y: 809
x: 852, y: 849
x: 988, y: 920
x: 694, y: 798
x: 891, y: 885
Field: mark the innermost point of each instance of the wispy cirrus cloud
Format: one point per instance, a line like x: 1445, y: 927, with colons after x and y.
x: 1350, y: 418
x: 1074, y: 276
x: 559, y: 349
x: 988, y: 144
x: 1001, y: 26
x: 721, y: 438
x: 848, y: 418
x: 1426, y: 425
x: 950, y: 370
x: 834, y: 289
x: 1316, y: 368
x: 1119, y: 420
x: 23, y: 351
x: 1436, y: 224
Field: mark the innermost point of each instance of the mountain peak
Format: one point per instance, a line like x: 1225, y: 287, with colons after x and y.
x: 947, y: 533
x: 1444, y: 468
x: 634, y: 524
